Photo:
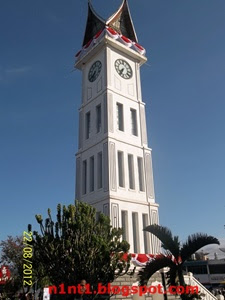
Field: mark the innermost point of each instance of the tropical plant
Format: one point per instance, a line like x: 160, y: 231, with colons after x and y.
x: 174, y: 256
x: 78, y: 245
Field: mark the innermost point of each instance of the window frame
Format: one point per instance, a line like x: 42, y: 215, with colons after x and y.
x: 92, y: 174
x: 98, y: 118
x: 99, y: 168
x: 120, y: 166
x: 120, y: 116
x: 133, y: 117
x: 131, y: 174
x: 87, y: 125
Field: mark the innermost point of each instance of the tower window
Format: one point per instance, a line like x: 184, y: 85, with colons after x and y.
x: 124, y: 224
x: 99, y: 174
x: 140, y: 174
x: 88, y: 124
x: 131, y: 171
x: 98, y: 118
x: 135, y: 232
x: 120, y: 125
x: 92, y: 173
x: 84, y: 175
x: 133, y: 113
x: 146, y: 234
x: 121, y: 169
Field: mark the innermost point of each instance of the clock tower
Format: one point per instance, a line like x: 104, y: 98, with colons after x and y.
x: 114, y: 162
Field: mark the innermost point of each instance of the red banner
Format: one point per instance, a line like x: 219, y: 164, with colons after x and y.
x: 4, y: 274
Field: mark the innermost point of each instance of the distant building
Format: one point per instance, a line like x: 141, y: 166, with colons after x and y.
x: 210, y: 273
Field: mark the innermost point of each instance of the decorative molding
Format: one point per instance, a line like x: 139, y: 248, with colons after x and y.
x: 110, y: 113
x: 81, y: 131
x: 108, y: 67
x: 117, y: 83
x: 155, y: 243
x: 105, y: 110
x: 138, y: 78
x: 146, y: 235
x: 99, y: 85
x: 130, y: 89
x: 78, y: 175
x: 89, y: 93
x: 112, y: 166
x: 149, y: 176
x: 136, y: 231
x: 143, y: 125
x: 105, y: 167
x: 110, y: 36
x: 115, y: 215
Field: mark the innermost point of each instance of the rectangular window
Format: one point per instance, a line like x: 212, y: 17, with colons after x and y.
x: 131, y: 171
x: 92, y: 173
x: 88, y: 124
x: 200, y: 269
x: 120, y: 169
x: 217, y: 269
x: 146, y: 234
x: 84, y: 175
x: 135, y: 232
x: 140, y: 174
x: 99, y: 169
x: 120, y: 116
x: 133, y: 113
x: 98, y: 118
x: 124, y: 221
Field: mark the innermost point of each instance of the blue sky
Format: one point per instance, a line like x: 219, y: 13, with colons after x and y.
x: 183, y: 87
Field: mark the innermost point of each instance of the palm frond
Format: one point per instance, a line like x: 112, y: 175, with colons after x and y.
x: 196, y: 242
x: 166, y: 237
x: 152, y: 267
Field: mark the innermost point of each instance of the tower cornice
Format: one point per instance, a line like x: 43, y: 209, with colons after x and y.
x: 107, y: 40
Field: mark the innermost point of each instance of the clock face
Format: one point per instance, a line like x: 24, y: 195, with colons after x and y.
x: 94, y: 71
x: 123, y: 69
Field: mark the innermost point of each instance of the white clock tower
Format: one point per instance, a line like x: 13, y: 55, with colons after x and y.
x: 113, y: 162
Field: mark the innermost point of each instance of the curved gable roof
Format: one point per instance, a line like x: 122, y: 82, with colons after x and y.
x: 120, y: 21
x: 94, y: 24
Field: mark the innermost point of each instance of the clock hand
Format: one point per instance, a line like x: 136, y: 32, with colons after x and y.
x: 93, y: 75
x: 121, y: 71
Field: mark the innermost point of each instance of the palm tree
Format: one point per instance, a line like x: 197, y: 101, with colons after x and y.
x: 174, y: 256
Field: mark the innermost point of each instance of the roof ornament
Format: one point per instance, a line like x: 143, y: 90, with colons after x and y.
x: 110, y: 32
